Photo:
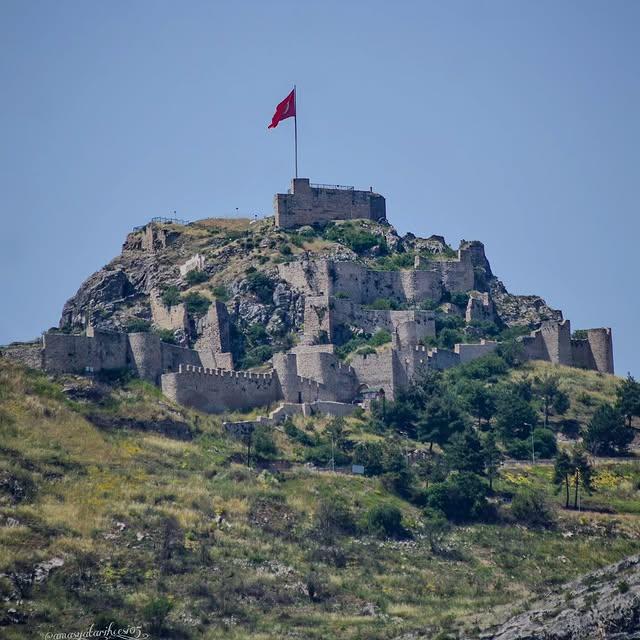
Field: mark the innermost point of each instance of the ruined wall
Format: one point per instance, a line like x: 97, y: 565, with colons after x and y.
x: 214, y: 342
x: 479, y: 308
x: 306, y: 204
x: 29, y: 354
x: 216, y: 390
x: 310, y: 277
x: 195, y: 263
x: 172, y: 318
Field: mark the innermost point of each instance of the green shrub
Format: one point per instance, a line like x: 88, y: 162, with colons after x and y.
x: 357, y: 239
x: 333, y: 518
x: 285, y: 250
x: 531, y: 507
x: 170, y: 296
x: 261, y: 286
x: 385, y: 521
x: 462, y: 497
x: 379, y: 338
x: 155, y: 612
x: 436, y: 527
x: 383, y: 304
x: 194, y: 277
x: 264, y: 446
x: 196, y: 303
x: 220, y: 292
x: 607, y: 432
x: 138, y: 325
x: 166, y: 335
x: 256, y: 356
x: 544, y: 443
x: 460, y: 299
x: 341, y: 295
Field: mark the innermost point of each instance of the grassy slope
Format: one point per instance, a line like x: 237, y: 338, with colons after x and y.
x: 233, y: 548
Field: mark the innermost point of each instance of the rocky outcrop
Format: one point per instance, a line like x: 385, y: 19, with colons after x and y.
x: 516, y: 310
x: 602, y: 604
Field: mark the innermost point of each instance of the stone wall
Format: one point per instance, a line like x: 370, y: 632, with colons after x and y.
x: 306, y: 205
x: 100, y: 350
x: 325, y: 368
x: 173, y: 318
x: 214, y: 342
x: 195, y: 263
x: 216, y: 390
x: 310, y: 277
x: 29, y: 354
x: 469, y: 352
x: 380, y: 370
x: 601, y: 343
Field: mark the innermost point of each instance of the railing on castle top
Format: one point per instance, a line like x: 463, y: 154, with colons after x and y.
x: 332, y: 186
x: 163, y: 220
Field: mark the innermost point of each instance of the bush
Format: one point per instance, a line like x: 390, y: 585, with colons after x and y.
x: 264, y: 446
x: 261, y: 286
x: 138, y: 325
x: 357, y: 239
x: 385, y: 521
x: 462, y: 497
x: 166, y: 335
x: 460, y: 299
x: 156, y: 611
x: 379, y: 338
x: 332, y: 519
x: 544, y: 442
x: 436, y: 527
x: 256, y: 356
x: 518, y: 449
x: 170, y: 296
x: 196, y: 303
x: 383, y: 304
x: 194, y: 277
x: 531, y: 507
x: 220, y: 292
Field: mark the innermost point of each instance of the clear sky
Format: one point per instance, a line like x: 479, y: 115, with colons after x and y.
x: 512, y: 122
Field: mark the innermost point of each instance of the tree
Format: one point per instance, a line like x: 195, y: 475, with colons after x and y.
x: 544, y: 443
x: 437, y: 528
x: 439, y: 421
x: 628, y: 398
x: 581, y: 473
x: 562, y: 471
x: 548, y: 388
x: 492, y: 458
x: 461, y: 497
x: 480, y: 401
x: 607, y: 432
x: 515, y: 417
x: 464, y: 452
x: 531, y: 507
x: 385, y: 520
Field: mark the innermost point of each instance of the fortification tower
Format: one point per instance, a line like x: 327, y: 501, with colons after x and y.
x: 307, y: 203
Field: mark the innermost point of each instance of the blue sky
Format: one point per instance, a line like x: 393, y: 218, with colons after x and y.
x: 515, y: 123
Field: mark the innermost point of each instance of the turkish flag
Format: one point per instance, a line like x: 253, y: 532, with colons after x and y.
x: 286, y: 109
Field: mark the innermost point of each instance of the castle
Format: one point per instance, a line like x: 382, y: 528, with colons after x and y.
x: 310, y: 376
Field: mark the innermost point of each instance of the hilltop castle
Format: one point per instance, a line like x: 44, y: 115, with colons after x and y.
x: 335, y: 293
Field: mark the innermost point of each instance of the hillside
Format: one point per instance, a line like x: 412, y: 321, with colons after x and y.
x: 119, y: 506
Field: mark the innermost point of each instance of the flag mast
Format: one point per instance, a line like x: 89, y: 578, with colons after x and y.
x: 295, y: 125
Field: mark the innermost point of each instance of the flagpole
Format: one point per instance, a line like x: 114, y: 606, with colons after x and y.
x: 295, y: 126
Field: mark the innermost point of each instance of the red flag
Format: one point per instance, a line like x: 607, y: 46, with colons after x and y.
x: 286, y: 109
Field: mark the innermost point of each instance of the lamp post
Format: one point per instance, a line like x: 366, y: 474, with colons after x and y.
x: 533, y: 450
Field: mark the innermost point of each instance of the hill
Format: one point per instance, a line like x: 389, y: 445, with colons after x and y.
x: 118, y: 505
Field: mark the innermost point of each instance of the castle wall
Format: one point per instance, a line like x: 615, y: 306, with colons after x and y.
x: 338, y: 378
x: 601, y: 343
x: 379, y: 370
x: 307, y: 205
x: 215, y: 391
x: 557, y: 338
x: 581, y: 355
x: 469, y: 352
x: 310, y: 277
x: 145, y: 355
x: 214, y: 343
x: 65, y: 353
x: 195, y: 263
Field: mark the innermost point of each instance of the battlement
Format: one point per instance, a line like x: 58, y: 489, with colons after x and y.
x: 307, y: 203
x: 229, y: 373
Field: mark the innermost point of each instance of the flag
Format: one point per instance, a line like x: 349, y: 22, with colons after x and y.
x: 286, y: 109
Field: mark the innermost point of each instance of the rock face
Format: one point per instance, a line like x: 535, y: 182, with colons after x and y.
x: 241, y: 263
x: 602, y: 604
